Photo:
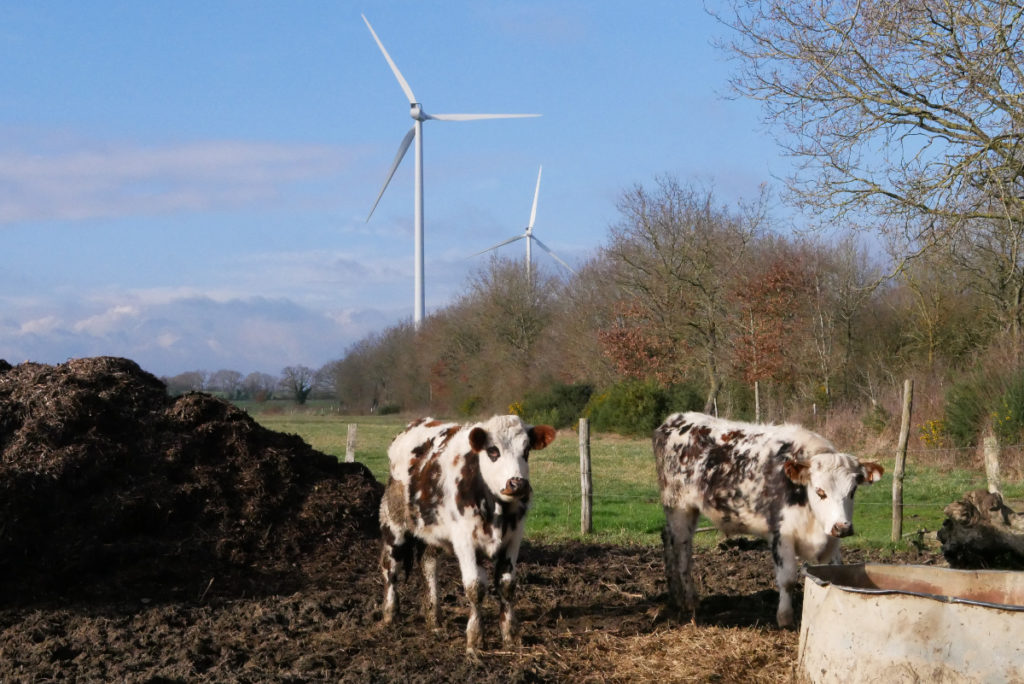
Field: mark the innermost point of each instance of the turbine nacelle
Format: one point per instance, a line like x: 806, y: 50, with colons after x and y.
x: 529, y: 236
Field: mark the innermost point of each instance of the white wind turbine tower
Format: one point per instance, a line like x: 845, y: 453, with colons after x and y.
x: 416, y: 133
x: 529, y: 236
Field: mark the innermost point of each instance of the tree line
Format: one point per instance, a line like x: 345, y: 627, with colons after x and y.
x: 297, y: 383
x: 685, y: 292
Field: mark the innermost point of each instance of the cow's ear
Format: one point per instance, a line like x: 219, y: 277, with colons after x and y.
x: 797, y: 471
x: 541, y: 436
x: 477, y: 438
x: 870, y: 472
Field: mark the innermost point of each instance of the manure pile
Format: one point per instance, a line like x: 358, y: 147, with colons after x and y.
x: 108, y: 487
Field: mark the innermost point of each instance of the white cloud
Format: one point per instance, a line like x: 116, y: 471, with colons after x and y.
x: 170, y: 334
x: 106, y: 322
x: 167, y: 340
x: 39, y: 326
x: 123, y: 180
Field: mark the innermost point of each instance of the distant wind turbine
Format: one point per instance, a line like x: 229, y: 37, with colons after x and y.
x: 529, y: 236
x: 416, y: 133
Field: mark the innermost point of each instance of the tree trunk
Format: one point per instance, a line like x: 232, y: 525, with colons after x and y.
x: 716, y: 385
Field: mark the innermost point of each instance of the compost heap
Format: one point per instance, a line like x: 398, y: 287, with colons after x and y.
x: 110, y: 487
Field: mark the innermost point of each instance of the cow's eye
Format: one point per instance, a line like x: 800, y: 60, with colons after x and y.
x: 821, y: 493
x: 493, y: 453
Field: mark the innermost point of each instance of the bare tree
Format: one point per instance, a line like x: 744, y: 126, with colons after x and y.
x: 906, y: 114
x: 675, y: 254
x: 770, y: 317
x: 259, y: 386
x: 989, y: 256
x: 383, y: 369
x: 227, y: 381
x: 513, y: 307
x: 946, y: 318
x: 299, y: 381
x: 190, y: 381
x: 845, y: 280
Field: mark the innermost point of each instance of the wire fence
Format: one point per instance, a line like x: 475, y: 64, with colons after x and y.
x: 932, y: 478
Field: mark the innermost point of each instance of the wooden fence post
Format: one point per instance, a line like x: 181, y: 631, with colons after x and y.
x: 901, y: 460
x: 757, y: 402
x: 350, y: 444
x: 992, y: 464
x: 586, y: 487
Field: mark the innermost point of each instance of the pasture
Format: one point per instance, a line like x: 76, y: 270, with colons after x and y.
x: 626, y: 507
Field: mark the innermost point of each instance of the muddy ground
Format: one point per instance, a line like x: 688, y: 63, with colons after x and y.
x: 588, y: 614
x: 151, y: 539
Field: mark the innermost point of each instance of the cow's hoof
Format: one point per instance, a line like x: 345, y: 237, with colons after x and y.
x: 672, y: 611
x: 510, y: 634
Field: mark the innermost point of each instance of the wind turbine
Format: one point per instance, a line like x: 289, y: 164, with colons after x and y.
x: 529, y: 236
x: 416, y: 133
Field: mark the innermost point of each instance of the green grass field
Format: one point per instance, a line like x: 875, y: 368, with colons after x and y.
x: 626, y: 508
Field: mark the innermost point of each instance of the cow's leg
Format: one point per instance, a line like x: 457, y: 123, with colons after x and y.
x: 429, y: 562
x: 390, y: 562
x: 677, y: 538
x: 396, y: 548
x: 787, y: 573
x: 832, y: 552
x: 474, y: 580
x: 505, y: 582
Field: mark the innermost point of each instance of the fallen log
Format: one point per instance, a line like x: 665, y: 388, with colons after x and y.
x: 980, y: 531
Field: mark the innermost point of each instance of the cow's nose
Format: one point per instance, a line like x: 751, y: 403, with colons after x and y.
x: 517, y: 487
x: 842, y: 529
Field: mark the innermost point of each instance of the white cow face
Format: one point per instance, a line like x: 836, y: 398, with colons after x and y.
x: 503, y: 445
x: 831, y: 481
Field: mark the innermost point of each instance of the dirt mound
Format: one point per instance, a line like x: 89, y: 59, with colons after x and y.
x: 110, y: 487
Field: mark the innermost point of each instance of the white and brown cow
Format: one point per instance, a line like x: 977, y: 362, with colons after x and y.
x: 781, y: 482
x: 465, y: 489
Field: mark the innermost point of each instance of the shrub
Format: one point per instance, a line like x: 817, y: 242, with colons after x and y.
x: 388, y: 409
x: 636, y: 407
x: 560, y: 405
x: 1008, y: 416
x: 876, y: 419
x: 933, y: 434
x: 469, y: 406
x: 965, y: 412
x: 683, y: 397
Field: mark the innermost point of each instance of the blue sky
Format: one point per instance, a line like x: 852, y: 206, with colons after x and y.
x: 187, y: 183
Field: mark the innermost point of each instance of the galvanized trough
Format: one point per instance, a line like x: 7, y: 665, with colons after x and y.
x: 911, y: 623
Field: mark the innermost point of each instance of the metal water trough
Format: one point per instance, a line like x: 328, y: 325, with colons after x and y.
x: 911, y: 623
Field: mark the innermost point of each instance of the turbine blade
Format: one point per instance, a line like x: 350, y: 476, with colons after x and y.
x: 500, y: 244
x: 552, y: 254
x: 476, y: 117
x: 402, y: 149
x: 394, y: 68
x: 536, y: 193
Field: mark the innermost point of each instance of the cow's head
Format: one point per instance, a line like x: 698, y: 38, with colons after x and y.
x: 831, y: 480
x: 503, y: 445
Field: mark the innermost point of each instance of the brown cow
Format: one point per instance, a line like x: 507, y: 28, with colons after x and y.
x: 464, y: 489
